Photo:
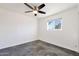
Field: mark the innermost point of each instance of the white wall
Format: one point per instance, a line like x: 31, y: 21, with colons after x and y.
x: 68, y: 37
x: 16, y: 28
x: 78, y: 28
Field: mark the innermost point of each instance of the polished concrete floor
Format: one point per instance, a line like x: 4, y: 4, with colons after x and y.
x: 37, y: 48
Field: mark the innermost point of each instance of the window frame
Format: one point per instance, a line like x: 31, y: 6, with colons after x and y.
x: 53, y: 25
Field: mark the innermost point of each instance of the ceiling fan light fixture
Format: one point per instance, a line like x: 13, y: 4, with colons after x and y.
x: 35, y: 11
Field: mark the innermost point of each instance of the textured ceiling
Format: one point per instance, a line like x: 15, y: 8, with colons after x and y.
x: 50, y: 8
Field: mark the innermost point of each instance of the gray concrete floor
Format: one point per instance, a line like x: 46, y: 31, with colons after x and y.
x: 37, y: 48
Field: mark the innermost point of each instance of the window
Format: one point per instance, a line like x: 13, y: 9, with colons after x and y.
x: 54, y: 24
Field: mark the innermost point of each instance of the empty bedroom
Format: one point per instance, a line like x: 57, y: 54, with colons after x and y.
x: 39, y: 29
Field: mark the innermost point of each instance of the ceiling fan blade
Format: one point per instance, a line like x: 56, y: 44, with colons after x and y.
x: 42, y: 12
x: 28, y: 11
x: 41, y: 6
x: 28, y: 5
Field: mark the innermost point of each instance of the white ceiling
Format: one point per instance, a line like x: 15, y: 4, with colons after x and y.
x: 50, y: 8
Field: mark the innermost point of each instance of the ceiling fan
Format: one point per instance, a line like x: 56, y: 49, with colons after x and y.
x: 35, y: 9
